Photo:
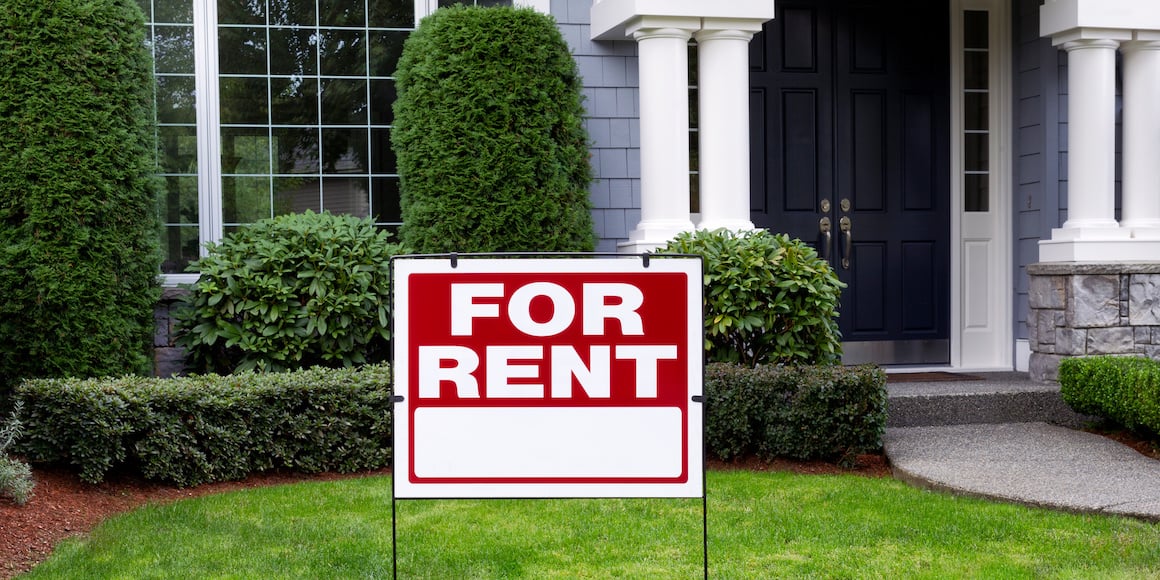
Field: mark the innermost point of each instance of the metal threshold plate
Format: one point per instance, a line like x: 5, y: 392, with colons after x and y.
x: 897, y: 352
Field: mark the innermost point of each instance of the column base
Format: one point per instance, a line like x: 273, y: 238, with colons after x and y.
x: 729, y: 224
x: 1097, y: 245
x: 650, y: 236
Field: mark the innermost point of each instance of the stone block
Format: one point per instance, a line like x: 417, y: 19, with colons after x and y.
x: 1048, y: 292
x: 1033, y: 329
x: 1043, y: 367
x: 168, y: 361
x: 1094, y: 301
x: 1144, y: 300
x: 1117, y: 340
x: 1142, y: 335
x: 1071, y: 341
x: 1046, y: 330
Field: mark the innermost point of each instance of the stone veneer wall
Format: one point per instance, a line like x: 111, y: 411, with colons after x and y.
x: 1080, y: 309
x: 168, y: 358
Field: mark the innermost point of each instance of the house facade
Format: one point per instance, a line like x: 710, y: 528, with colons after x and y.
x: 983, y: 174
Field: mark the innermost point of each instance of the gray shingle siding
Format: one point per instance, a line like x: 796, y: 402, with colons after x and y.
x: 611, y: 95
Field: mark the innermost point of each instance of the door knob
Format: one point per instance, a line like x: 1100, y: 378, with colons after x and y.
x: 848, y: 239
x: 825, y: 226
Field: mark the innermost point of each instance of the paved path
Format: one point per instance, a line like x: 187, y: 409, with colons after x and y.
x: 1031, y: 463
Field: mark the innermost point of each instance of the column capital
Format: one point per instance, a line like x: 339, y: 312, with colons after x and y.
x: 1140, y: 45
x: 706, y: 34
x: 682, y: 34
x: 1090, y: 43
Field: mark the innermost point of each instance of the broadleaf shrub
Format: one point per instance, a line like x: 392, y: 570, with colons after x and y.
x: 1125, y: 390
x: 79, y: 235
x: 15, y: 476
x: 799, y: 412
x: 198, y: 429
x: 488, y: 129
x: 293, y: 291
x: 768, y: 299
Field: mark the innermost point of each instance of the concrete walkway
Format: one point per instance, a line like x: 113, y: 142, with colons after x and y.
x: 1034, y: 463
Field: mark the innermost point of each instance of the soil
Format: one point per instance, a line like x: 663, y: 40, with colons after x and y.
x: 62, y: 506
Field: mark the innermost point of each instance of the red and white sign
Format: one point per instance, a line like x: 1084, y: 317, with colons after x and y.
x: 548, y: 377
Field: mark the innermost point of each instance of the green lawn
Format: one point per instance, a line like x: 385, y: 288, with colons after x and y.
x: 761, y: 525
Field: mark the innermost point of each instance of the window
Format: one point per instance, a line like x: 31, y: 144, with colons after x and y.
x: 976, y: 111
x: 266, y: 107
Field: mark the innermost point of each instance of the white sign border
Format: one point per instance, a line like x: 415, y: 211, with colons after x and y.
x: 404, y: 266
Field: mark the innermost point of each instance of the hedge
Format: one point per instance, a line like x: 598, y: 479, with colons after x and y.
x: 1125, y: 390
x: 803, y: 412
x: 492, y: 152
x: 79, y: 234
x: 199, y: 429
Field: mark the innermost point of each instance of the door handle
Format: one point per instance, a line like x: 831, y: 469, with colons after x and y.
x: 848, y: 240
x: 825, y: 226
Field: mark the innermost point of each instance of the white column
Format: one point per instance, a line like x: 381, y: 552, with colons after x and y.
x: 723, y: 89
x: 1091, y: 134
x: 1141, y: 150
x: 664, y: 137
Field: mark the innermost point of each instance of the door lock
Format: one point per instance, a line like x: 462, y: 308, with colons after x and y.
x: 848, y: 240
x: 825, y: 226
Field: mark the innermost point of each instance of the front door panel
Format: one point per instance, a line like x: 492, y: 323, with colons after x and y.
x: 851, y: 110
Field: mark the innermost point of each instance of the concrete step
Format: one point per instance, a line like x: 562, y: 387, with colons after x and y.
x: 977, y: 398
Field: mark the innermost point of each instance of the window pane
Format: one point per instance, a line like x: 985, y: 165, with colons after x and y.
x: 344, y: 150
x: 293, y: 12
x: 386, y: 48
x: 295, y: 101
x: 242, y: 51
x: 179, y: 246
x: 178, y: 147
x: 245, y: 150
x: 243, y: 101
x: 975, y: 192
x: 297, y: 150
x: 178, y: 203
x: 245, y: 200
x: 975, y: 29
x: 392, y: 13
x: 175, y: 100
x: 382, y: 155
x: 346, y: 195
x: 296, y: 195
x: 173, y: 49
x: 172, y: 11
x: 382, y: 102
x: 976, y: 152
x: 344, y: 102
x: 241, y: 11
x: 293, y: 51
x: 343, y: 53
x: 975, y: 111
x: 341, y: 13
x: 975, y: 73
x: 385, y: 201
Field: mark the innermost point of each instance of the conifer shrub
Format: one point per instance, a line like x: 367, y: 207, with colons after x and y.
x: 78, y: 213
x: 488, y: 132
x: 294, y: 291
x: 768, y: 299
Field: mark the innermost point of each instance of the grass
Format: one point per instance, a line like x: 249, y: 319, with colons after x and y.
x: 761, y: 525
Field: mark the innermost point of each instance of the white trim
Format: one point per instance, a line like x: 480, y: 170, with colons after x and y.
x: 981, y: 242
x: 543, y: 6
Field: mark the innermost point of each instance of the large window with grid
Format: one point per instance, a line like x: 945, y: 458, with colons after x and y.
x: 267, y: 107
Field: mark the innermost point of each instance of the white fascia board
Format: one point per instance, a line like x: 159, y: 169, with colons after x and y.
x: 612, y: 19
x: 1063, y: 16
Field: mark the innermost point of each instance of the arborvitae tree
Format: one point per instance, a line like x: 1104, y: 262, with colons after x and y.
x: 78, y: 216
x: 489, y: 135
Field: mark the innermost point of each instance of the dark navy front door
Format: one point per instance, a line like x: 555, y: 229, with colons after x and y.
x: 850, y: 144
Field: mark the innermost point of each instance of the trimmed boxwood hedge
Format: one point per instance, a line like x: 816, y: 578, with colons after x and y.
x: 488, y: 131
x: 1125, y: 390
x: 199, y: 429
x: 79, y: 233
x: 804, y: 412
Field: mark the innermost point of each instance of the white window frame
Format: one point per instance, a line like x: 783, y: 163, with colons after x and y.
x: 426, y: 7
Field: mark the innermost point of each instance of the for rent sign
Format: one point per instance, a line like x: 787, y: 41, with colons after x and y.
x: 548, y: 377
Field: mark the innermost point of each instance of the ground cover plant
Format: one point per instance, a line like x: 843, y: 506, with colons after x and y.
x: 492, y: 152
x: 79, y: 233
x: 761, y: 524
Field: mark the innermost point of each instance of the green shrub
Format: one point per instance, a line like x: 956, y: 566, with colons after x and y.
x: 289, y: 292
x: 79, y: 233
x: 768, y: 299
x: 1125, y: 390
x: 806, y: 412
x: 197, y: 429
x: 488, y: 130
x: 15, y: 476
